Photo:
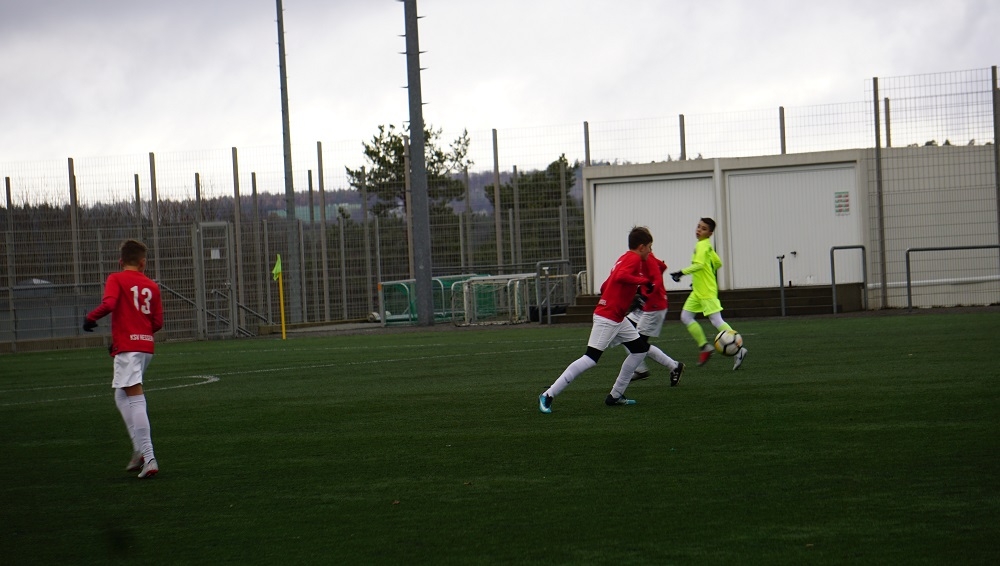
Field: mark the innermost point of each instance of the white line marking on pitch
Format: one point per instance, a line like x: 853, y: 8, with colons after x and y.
x: 203, y: 380
x: 206, y: 379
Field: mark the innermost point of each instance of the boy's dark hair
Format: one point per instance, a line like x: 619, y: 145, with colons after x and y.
x: 638, y: 236
x: 132, y: 251
x: 710, y: 223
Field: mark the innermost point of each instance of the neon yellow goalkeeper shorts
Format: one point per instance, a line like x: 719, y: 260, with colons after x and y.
x: 704, y: 306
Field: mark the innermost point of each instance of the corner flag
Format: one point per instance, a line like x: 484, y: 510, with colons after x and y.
x: 277, y: 268
x: 276, y: 272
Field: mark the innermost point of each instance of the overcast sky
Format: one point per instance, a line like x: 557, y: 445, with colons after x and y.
x: 115, y: 77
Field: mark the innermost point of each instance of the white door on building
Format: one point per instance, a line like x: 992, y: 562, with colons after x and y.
x: 798, y: 213
x: 669, y: 207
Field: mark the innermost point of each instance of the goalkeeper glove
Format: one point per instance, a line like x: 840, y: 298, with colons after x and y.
x: 89, y: 325
x: 676, y: 276
x: 637, y: 302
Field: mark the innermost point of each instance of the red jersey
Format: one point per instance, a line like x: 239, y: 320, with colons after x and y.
x: 619, y: 289
x: 133, y: 300
x: 657, y: 300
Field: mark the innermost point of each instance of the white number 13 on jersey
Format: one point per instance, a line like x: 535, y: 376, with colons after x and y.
x: 147, y: 296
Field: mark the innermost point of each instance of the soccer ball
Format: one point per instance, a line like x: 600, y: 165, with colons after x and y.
x: 728, y: 342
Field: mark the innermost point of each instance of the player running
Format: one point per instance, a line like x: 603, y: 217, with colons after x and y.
x: 610, y: 325
x: 704, y: 297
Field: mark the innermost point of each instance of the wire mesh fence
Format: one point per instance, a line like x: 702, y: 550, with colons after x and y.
x: 216, y: 219
x: 934, y: 184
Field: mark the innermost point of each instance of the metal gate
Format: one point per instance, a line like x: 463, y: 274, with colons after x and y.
x: 215, y: 274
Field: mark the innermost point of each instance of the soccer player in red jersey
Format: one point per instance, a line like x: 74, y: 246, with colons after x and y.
x: 648, y: 318
x: 610, y: 325
x: 133, y: 301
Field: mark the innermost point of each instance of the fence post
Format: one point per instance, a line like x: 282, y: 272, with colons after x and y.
x: 468, y: 220
x: 74, y: 209
x: 197, y: 247
x: 312, y: 237
x: 515, y: 226
x: 11, y: 264
x: 238, y: 240
x: 267, y: 264
x: 548, y: 298
x: 378, y: 274
x: 197, y: 199
x: 154, y: 216
x: 343, y: 268
x: 586, y: 143
x: 781, y: 128
x: 407, y: 163
x: 368, y: 247
x: 513, y: 230
x: 235, y: 313
x: 880, y: 200
x: 563, y: 208
x: 322, y: 230
x: 996, y: 143
x: 683, y: 137
x: 461, y: 242
x: 138, y: 209
x: 496, y: 203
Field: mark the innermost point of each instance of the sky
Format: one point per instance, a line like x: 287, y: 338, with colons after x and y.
x: 116, y: 77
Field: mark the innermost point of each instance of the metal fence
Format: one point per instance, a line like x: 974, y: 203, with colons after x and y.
x: 215, y: 219
x: 933, y: 183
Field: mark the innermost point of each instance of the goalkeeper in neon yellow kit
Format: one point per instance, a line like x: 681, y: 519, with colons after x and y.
x: 704, y: 297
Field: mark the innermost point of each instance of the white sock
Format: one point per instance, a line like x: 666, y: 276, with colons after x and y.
x: 661, y: 357
x: 569, y: 374
x: 137, y: 406
x: 625, y: 375
x: 121, y: 400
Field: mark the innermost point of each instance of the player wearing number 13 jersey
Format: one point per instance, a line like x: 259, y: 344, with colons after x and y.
x: 133, y: 301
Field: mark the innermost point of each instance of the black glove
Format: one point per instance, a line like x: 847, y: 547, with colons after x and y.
x: 676, y: 276
x: 649, y: 288
x: 637, y: 302
x: 89, y: 325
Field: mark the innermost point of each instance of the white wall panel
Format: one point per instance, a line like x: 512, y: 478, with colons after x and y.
x: 669, y: 207
x: 802, y: 210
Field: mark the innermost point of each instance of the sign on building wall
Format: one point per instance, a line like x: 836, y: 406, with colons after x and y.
x: 842, y: 203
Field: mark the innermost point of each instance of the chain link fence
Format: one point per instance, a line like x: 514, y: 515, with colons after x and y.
x: 215, y: 220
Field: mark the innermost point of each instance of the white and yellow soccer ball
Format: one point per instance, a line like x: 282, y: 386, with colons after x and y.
x: 728, y: 342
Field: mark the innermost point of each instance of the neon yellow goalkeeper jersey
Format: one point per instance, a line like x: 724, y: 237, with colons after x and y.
x: 704, y: 263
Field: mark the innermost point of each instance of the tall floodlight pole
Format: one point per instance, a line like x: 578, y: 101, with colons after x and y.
x: 418, y: 174
x: 292, y: 258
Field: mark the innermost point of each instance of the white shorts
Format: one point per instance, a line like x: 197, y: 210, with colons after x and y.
x: 129, y: 368
x: 651, y: 323
x: 646, y: 323
x: 606, y: 333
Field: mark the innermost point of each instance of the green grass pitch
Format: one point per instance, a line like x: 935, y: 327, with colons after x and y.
x: 843, y: 440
